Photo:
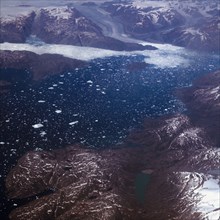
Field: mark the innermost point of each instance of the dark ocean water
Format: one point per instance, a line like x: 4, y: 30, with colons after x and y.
x: 97, y: 105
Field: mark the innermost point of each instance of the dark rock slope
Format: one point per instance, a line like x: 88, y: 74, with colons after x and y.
x: 79, y: 183
x: 16, y: 30
x: 39, y: 66
x: 203, y: 100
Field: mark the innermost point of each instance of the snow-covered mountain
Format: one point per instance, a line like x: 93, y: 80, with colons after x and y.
x: 192, y: 24
x: 64, y: 25
x: 61, y: 25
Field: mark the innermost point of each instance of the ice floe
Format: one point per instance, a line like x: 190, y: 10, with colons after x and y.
x: 37, y: 125
x: 42, y: 133
x: 58, y: 111
x: 74, y: 123
x: 90, y: 81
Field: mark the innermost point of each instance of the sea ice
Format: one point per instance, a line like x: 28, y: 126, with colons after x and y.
x: 58, y: 111
x: 37, y: 125
x: 74, y: 122
x: 43, y: 133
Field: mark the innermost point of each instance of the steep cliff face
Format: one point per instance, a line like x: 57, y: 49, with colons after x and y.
x: 177, y: 156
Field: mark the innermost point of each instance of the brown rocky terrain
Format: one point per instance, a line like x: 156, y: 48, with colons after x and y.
x: 176, y: 153
x: 39, y: 66
x: 203, y: 100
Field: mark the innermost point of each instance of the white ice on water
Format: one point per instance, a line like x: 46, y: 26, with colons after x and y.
x: 37, y: 125
x: 74, y: 123
x: 58, y: 111
x: 167, y: 56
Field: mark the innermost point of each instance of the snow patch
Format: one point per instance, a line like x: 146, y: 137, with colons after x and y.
x: 59, y: 12
x: 215, y: 90
x: 141, y: 4
x: 195, y: 33
x: 210, y: 199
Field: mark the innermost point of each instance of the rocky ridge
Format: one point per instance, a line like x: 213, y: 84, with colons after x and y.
x: 39, y: 66
x: 176, y: 153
